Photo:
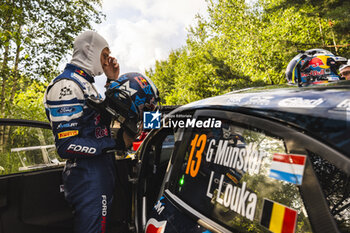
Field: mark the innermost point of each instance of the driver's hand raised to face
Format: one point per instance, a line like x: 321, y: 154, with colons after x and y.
x: 109, y: 64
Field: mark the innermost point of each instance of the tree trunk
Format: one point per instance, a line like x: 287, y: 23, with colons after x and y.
x: 2, y: 139
x: 4, y: 73
x: 16, y: 75
x: 335, y: 44
x: 321, y: 32
x: 4, y: 76
x: 5, y: 69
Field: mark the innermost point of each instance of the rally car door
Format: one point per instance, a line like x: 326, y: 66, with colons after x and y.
x: 31, y: 197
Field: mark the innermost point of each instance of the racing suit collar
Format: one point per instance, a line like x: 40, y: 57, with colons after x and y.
x: 77, y: 70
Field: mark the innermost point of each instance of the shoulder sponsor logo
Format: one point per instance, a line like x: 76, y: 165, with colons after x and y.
x: 73, y: 148
x: 80, y: 72
x: 299, y: 102
x: 66, y: 110
x: 153, y: 226
x: 67, y: 125
x: 65, y: 91
x: 67, y: 134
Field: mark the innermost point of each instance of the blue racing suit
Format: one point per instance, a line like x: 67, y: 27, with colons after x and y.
x: 84, y: 140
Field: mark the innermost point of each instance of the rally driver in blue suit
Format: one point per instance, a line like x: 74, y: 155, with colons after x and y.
x: 82, y: 134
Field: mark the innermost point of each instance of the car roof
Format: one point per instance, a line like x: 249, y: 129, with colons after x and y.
x: 322, y: 111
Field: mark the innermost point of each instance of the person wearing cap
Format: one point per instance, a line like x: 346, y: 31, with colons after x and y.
x: 82, y: 136
x: 344, y: 71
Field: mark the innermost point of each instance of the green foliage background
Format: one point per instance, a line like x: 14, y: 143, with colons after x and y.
x: 249, y: 43
x: 240, y: 44
x: 34, y: 37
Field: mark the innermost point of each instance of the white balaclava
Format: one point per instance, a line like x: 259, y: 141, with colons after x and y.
x: 87, y: 52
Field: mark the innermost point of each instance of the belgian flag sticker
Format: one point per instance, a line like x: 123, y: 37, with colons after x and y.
x: 278, y: 218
